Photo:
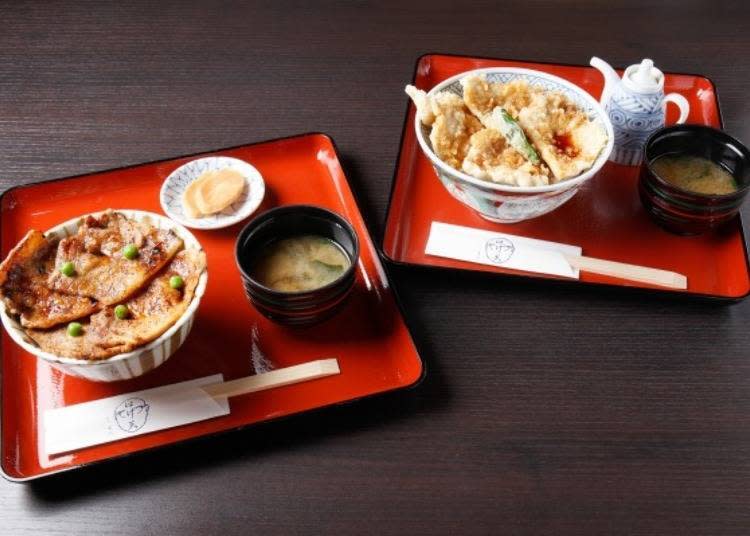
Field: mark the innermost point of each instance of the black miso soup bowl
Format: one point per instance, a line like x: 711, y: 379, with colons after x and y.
x: 304, y: 307
x: 682, y: 211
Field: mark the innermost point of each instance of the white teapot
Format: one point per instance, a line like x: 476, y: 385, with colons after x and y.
x: 636, y: 106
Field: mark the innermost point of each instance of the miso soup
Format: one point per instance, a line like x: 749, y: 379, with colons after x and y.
x: 694, y: 174
x: 300, y: 263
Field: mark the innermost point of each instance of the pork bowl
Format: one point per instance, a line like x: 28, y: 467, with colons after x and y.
x: 107, y: 296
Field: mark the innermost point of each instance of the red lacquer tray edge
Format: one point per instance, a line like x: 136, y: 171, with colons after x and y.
x: 532, y: 277
x: 194, y: 439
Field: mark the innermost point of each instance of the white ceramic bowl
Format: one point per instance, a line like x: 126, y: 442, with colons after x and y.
x: 130, y: 364
x: 174, y: 186
x: 504, y: 203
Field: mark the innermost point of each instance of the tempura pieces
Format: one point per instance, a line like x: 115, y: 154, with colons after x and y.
x: 490, y: 157
x: 23, y: 285
x: 452, y: 124
x: 423, y: 104
x: 562, y: 133
x: 149, y: 314
x: 510, y: 133
x: 102, y: 270
x: 482, y: 96
x: 452, y: 129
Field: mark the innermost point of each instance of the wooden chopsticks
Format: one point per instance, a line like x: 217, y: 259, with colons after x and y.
x: 632, y: 272
x: 275, y: 378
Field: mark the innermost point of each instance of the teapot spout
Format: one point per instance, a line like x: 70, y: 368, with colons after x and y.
x: 611, y: 78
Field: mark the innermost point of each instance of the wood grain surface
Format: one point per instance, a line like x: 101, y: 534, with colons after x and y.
x: 545, y: 410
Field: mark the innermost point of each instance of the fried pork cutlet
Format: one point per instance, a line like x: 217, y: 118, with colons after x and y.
x: 150, y: 313
x: 102, y: 271
x: 23, y: 285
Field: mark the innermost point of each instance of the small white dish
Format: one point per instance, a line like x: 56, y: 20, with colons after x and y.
x: 174, y: 186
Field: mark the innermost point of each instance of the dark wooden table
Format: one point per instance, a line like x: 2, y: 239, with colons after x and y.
x: 545, y: 410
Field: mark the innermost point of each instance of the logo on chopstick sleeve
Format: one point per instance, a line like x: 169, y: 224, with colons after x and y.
x: 499, y: 250
x: 132, y: 414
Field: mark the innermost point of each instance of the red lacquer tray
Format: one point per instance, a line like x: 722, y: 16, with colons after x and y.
x: 605, y: 218
x: 369, y: 337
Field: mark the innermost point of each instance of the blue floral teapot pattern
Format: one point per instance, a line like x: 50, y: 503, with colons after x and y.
x: 636, y: 106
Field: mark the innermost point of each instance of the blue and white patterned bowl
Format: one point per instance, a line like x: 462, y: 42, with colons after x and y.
x: 174, y: 186
x: 504, y: 203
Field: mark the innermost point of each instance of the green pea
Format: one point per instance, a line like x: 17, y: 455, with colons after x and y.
x: 176, y: 282
x: 121, y: 311
x: 130, y: 252
x: 75, y: 329
x: 68, y: 269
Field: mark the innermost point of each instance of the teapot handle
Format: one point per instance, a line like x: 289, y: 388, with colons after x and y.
x: 681, y: 103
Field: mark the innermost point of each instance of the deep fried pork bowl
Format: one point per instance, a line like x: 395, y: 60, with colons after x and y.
x: 510, y: 143
x: 107, y: 296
